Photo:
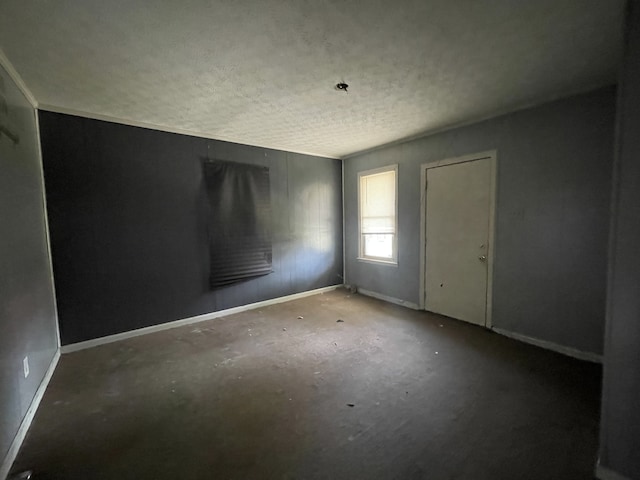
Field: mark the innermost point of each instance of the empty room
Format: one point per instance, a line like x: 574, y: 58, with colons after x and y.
x: 287, y: 239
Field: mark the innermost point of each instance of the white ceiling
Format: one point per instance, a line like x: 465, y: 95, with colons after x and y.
x: 262, y: 72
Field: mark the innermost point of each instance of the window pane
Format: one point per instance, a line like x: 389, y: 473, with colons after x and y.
x: 378, y: 224
x: 378, y: 195
x: 378, y: 245
x: 377, y: 210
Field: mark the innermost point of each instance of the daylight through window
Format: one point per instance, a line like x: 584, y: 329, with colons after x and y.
x: 377, y: 206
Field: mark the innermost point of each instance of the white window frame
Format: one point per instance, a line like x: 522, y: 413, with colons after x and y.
x: 368, y: 258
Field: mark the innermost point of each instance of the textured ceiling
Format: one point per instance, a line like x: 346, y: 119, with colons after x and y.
x: 262, y: 72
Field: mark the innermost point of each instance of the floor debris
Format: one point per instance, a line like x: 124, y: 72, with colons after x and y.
x: 284, y: 329
x: 300, y: 317
x: 550, y: 403
x: 351, y: 404
x: 339, y: 320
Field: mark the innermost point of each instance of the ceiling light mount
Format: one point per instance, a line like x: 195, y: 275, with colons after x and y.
x: 342, y: 86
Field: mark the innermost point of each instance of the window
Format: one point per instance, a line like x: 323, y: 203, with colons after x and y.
x: 377, y: 207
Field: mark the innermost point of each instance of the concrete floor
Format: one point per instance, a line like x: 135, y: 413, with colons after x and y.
x: 389, y: 393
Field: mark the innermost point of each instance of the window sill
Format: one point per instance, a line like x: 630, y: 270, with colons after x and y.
x: 375, y: 261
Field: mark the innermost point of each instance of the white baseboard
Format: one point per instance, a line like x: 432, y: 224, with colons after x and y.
x: 603, y: 473
x: 386, y: 298
x: 74, y: 347
x: 28, y: 418
x: 571, y: 352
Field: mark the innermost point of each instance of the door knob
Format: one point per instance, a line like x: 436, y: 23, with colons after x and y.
x: 482, y: 258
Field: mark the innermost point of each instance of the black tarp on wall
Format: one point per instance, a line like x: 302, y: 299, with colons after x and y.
x: 129, y: 213
x: 239, y: 221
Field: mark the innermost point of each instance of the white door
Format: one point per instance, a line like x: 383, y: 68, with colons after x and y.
x: 458, y: 209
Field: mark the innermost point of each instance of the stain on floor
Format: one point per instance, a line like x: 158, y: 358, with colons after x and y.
x: 288, y: 392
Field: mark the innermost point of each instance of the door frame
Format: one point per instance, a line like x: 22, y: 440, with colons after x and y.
x: 492, y: 155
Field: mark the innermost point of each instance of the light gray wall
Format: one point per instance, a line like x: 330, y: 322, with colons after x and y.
x: 553, y: 189
x: 620, y: 428
x: 27, y: 312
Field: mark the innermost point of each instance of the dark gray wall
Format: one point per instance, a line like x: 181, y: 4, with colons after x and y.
x: 620, y: 427
x: 554, y: 170
x: 128, y: 212
x: 27, y: 311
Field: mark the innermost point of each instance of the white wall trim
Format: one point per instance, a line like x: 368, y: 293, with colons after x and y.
x: 569, y: 351
x: 15, y: 76
x: 166, y: 128
x: 74, y: 347
x: 344, y: 239
x: 493, y: 208
x: 376, y: 262
x: 28, y: 418
x: 387, y: 298
x: 361, y: 257
x: 603, y: 473
x: 423, y: 235
x: 492, y: 155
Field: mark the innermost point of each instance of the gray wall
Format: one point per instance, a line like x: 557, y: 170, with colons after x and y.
x: 128, y: 216
x: 27, y: 311
x: 620, y: 427
x: 553, y: 189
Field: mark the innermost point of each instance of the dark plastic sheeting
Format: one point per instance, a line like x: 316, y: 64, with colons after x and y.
x: 240, y: 221
x: 129, y: 217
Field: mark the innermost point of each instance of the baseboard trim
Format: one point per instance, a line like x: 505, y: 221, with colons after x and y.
x: 11, y: 455
x: 604, y: 473
x: 74, y: 347
x: 571, y: 352
x: 387, y: 298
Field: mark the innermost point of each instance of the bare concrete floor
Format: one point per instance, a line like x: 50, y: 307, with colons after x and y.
x: 389, y: 393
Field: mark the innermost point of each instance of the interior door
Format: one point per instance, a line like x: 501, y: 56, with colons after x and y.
x: 458, y: 208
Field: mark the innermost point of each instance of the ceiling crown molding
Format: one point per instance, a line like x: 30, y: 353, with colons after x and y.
x: 15, y: 76
x: 164, y: 128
